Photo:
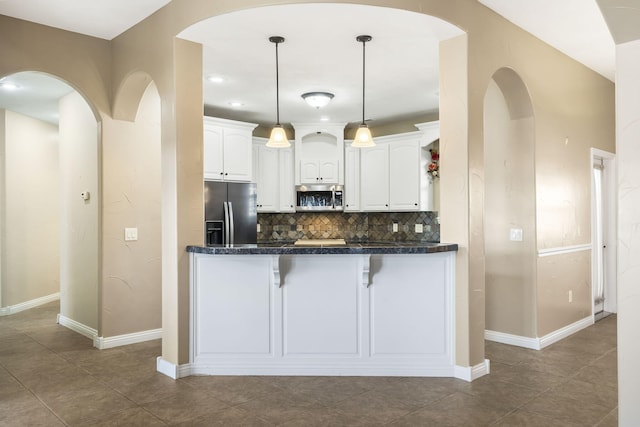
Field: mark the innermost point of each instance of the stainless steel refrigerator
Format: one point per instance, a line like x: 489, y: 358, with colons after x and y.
x: 230, y: 213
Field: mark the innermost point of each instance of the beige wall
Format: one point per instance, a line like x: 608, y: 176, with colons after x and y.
x: 509, y: 203
x: 131, y: 271
x: 30, y: 237
x: 79, y: 238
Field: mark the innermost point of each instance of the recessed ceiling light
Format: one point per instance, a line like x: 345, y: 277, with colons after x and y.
x: 236, y: 104
x: 8, y: 86
x: 324, y: 119
x: 214, y: 78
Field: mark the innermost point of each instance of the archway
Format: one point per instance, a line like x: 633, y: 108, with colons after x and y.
x: 51, y: 203
x: 509, y: 227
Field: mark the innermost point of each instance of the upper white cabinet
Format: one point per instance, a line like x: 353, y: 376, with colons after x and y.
x: 227, y: 149
x: 351, y: 179
x: 319, y: 152
x: 390, y: 174
x: 273, y: 171
x: 319, y: 171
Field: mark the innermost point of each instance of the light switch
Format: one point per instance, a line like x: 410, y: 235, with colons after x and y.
x: 419, y: 228
x: 515, y: 234
x: 130, y: 234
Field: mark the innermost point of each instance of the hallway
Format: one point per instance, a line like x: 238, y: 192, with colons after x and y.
x: 51, y: 376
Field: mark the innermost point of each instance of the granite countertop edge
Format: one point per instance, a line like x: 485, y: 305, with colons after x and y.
x: 287, y: 248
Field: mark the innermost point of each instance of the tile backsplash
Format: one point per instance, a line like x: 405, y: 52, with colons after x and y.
x: 354, y: 227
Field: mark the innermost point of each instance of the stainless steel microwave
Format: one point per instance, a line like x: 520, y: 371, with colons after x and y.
x: 319, y: 198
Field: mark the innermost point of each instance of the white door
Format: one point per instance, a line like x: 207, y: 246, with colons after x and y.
x: 237, y: 155
x: 267, y: 182
x: 374, y: 178
x: 287, y: 188
x: 404, y: 176
x: 213, y: 149
x: 352, y: 179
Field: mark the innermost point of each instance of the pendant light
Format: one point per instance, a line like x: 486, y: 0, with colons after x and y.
x: 363, y: 137
x: 278, y: 138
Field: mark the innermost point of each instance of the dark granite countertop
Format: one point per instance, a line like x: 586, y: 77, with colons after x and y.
x: 288, y: 248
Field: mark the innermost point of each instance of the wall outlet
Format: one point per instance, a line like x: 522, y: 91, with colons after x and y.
x: 394, y: 227
x: 419, y: 228
x: 515, y: 234
x: 130, y: 234
x: 258, y: 228
x: 570, y: 296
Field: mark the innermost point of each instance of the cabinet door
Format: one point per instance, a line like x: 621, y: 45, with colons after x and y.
x: 267, y: 180
x: 237, y: 155
x: 374, y: 178
x: 287, y: 187
x: 328, y: 171
x: 404, y: 176
x: 213, y: 149
x: 352, y: 179
x: 309, y: 172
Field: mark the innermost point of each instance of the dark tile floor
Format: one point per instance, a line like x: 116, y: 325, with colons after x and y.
x: 51, y: 376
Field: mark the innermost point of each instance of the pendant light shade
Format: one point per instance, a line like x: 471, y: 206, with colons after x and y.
x: 363, y: 137
x: 278, y: 138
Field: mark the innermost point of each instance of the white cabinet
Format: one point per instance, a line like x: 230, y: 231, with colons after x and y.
x: 227, y: 149
x: 390, y: 175
x: 319, y: 171
x: 352, y: 179
x: 404, y: 175
x: 274, y: 177
x: 374, y: 178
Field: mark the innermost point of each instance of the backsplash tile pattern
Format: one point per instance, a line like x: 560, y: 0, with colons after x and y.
x: 353, y: 227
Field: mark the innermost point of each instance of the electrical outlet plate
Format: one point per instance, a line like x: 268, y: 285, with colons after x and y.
x: 419, y: 228
x: 130, y: 234
x: 395, y: 227
x: 515, y: 234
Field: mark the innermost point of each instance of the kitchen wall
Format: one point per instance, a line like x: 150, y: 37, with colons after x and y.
x: 79, y: 219
x: 353, y: 227
x: 29, y: 232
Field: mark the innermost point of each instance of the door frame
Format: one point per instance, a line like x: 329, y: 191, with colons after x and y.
x: 610, y: 231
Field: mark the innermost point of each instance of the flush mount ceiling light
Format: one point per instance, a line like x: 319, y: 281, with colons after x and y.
x: 317, y: 99
x: 278, y: 138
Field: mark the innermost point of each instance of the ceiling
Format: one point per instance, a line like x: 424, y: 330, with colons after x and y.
x: 401, y: 57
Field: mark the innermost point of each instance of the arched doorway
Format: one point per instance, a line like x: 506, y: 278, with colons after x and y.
x: 509, y: 227
x: 51, y: 203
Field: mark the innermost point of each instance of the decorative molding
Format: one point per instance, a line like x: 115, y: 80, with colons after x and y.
x: 12, y: 309
x: 517, y: 340
x: 366, y: 268
x: 78, y: 327
x: 172, y: 370
x: 275, y: 270
x: 470, y: 373
x: 539, y: 343
x: 564, y: 250
x: 127, y: 339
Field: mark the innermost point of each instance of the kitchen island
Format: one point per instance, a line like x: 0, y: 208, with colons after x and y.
x: 357, y: 309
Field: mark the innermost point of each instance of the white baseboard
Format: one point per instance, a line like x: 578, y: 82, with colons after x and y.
x: 539, y: 343
x: 127, y: 339
x: 77, y: 327
x: 171, y: 370
x: 517, y: 340
x: 12, y: 309
x: 470, y: 373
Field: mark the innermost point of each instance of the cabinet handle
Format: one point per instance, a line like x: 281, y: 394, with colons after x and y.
x: 320, y: 178
x: 221, y: 173
x: 290, y: 206
x: 386, y: 205
x: 226, y: 174
x: 415, y: 204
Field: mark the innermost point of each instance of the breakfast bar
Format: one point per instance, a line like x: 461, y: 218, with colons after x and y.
x: 322, y: 309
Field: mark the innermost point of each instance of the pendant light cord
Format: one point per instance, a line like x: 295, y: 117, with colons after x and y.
x: 277, y: 88
x: 363, y: 77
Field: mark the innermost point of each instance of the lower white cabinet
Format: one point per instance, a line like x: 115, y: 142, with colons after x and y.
x: 273, y: 171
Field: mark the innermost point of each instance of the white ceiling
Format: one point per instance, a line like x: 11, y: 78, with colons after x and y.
x: 322, y: 53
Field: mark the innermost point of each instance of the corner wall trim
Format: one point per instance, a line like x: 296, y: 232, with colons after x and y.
x: 517, y: 340
x: 171, y: 370
x: 78, y: 327
x: 539, y: 343
x: 470, y: 373
x: 127, y: 339
x: 12, y: 309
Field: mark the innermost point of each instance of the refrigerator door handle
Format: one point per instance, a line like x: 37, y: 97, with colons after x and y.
x: 227, y: 231
x: 232, y: 226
